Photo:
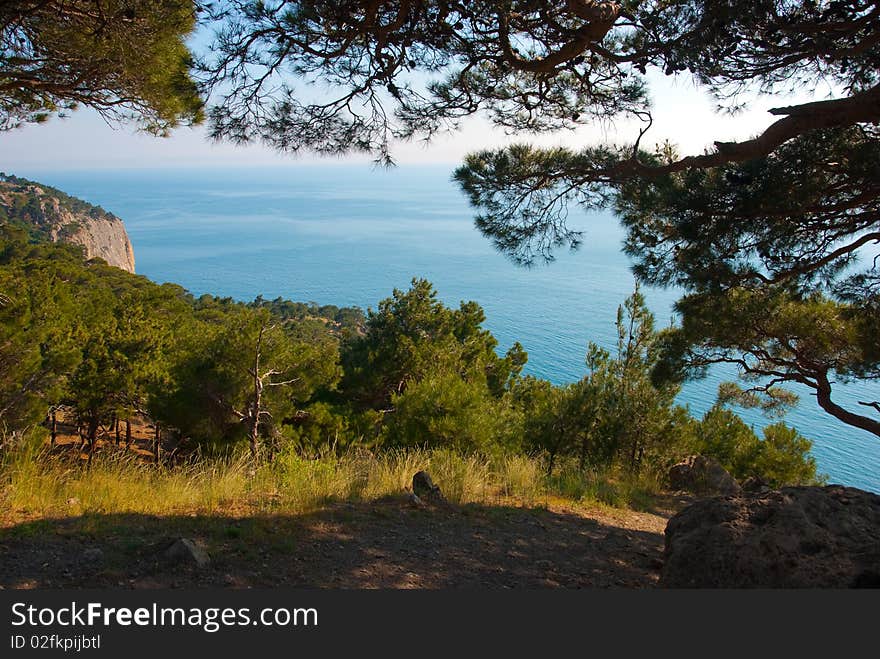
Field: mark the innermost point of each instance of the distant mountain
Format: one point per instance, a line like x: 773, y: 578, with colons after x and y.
x: 50, y: 214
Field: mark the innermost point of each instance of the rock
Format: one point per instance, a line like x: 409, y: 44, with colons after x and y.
x: 422, y: 485
x: 700, y: 474
x: 796, y: 537
x: 755, y: 484
x: 184, y: 550
x: 93, y: 554
x: 415, y: 500
x: 73, y: 501
x: 425, y: 490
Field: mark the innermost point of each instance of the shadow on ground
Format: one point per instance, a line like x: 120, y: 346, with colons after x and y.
x: 377, y: 544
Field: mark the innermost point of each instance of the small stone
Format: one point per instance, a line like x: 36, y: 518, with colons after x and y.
x: 184, y: 550
x: 425, y: 489
x: 422, y: 485
x: 755, y: 484
x: 93, y: 554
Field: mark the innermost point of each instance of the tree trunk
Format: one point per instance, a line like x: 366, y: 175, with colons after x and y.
x: 127, y: 433
x: 582, y: 462
x: 116, y: 429
x: 254, y: 434
x: 53, y: 427
x: 823, y: 397
x: 156, y: 442
x: 258, y: 395
x: 92, y: 437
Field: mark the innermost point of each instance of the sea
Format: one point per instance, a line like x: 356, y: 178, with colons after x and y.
x: 349, y: 234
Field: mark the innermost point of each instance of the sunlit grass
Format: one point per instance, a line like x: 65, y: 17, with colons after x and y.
x: 37, y: 484
x: 611, y: 488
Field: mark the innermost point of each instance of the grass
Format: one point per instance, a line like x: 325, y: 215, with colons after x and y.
x: 35, y: 484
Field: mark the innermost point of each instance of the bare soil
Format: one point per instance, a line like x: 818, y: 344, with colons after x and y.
x: 379, y: 544
x: 69, y: 443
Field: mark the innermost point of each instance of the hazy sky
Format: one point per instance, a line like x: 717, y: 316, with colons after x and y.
x: 683, y: 114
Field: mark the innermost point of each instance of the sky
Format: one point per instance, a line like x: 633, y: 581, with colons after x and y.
x: 683, y: 114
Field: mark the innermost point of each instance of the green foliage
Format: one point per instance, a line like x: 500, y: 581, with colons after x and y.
x: 780, y: 458
x: 772, y: 401
x: 784, y: 459
x: 545, y: 426
x: 321, y: 429
x: 344, y: 322
x: 776, y: 336
x: 633, y: 417
x: 39, y: 210
x: 613, y: 416
x: 107, y: 343
x: 212, y: 396
x: 444, y: 410
x: 38, y: 326
x: 434, y: 373
x: 212, y: 372
x: 411, y: 335
x: 722, y: 435
x: 747, y: 223
x: 128, y: 60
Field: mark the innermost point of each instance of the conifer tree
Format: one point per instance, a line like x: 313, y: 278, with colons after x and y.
x: 792, y: 213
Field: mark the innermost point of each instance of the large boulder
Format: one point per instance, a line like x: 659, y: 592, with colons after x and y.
x: 700, y: 474
x: 796, y: 537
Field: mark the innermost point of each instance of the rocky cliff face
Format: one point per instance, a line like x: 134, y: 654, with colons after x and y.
x: 47, y: 213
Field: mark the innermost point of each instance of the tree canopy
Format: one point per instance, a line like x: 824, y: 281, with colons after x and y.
x: 786, y: 220
x: 783, y: 215
x: 412, y: 335
x: 127, y: 59
x: 102, y: 346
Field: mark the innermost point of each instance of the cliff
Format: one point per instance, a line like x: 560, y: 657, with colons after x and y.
x: 50, y: 214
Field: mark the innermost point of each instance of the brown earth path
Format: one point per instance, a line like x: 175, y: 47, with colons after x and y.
x: 377, y: 544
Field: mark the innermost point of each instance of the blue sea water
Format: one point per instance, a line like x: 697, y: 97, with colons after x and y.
x: 348, y: 235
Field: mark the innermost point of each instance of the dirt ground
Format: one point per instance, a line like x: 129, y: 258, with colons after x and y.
x: 380, y: 544
x: 112, y: 438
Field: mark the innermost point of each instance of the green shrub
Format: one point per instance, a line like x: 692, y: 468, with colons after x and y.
x: 782, y: 457
x: 446, y: 411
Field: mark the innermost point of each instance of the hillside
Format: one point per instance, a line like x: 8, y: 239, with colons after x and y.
x: 49, y: 214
